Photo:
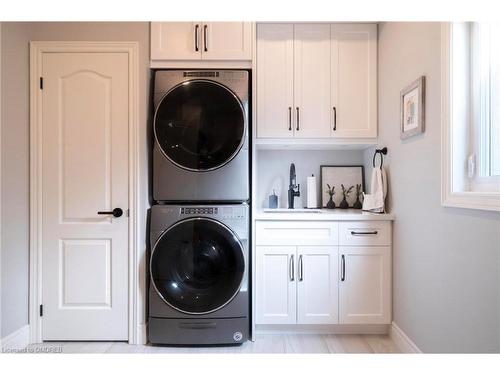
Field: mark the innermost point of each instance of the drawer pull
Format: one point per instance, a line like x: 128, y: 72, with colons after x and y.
x: 371, y: 233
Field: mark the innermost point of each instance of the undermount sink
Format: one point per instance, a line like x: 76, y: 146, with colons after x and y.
x: 294, y: 210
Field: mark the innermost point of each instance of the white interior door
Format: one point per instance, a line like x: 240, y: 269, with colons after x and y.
x: 276, y: 285
x: 365, y: 285
x: 275, y: 81
x: 312, y: 80
x: 227, y: 41
x: 317, y: 285
x: 85, y: 100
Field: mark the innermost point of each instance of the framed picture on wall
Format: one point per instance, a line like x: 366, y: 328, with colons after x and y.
x: 413, y: 109
x: 333, y: 177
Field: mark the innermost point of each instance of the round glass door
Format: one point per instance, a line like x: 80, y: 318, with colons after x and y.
x: 197, y: 266
x: 199, y: 125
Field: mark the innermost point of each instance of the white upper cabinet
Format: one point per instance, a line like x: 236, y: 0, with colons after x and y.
x: 175, y: 41
x: 354, y: 80
x: 365, y: 285
x: 227, y: 41
x: 275, y: 81
x: 317, y: 82
x: 312, y: 80
x: 201, y: 40
x: 317, y: 285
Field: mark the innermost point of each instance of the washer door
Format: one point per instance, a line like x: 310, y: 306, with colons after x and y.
x: 199, y: 125
x: 197, y: 265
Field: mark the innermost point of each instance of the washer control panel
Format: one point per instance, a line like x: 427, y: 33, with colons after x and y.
x: 199, y: 210
x: 220, y: 212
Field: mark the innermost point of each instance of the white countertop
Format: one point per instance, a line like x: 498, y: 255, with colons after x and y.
x: 320, y: 214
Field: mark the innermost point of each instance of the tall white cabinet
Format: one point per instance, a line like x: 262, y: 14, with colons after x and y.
x: 311, y: 80
x: 275, y: 80
x: 331, y: 93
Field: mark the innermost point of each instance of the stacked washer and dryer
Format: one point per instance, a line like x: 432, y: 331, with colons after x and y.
x: 199, y: 226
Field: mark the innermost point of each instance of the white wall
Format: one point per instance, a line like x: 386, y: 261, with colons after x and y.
x: 446, y: 261
x: 15, y: 176
x: 274, y: 171
x: 15, y: 144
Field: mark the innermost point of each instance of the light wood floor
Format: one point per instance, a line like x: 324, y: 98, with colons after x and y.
x: 265, y: 343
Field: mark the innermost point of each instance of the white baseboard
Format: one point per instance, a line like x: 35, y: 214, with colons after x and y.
x: 19, y: 339
x: 338, y: 329
x: 402, y: 340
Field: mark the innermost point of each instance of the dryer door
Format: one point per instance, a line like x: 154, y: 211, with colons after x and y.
x: 197, y: 265
x: 200, y: 125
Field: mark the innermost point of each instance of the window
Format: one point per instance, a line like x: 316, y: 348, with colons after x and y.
x: 471, y: 115
x: 485, y: 57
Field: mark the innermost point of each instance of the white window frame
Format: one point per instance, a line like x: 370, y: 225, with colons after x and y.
x: 480, y: 134
x: 451, y: 131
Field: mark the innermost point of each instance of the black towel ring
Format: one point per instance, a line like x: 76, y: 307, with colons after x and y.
x: 382, y: 151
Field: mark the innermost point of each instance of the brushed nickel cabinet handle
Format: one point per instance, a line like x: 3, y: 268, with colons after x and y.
x: 290, y: 118
x: 292, y: 269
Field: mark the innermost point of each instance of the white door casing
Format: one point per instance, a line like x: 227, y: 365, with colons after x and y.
x: 317, y: 285
x: 312, y: 81
x: 83, y: 135
x: 275, y: 111
x: 276, y: 284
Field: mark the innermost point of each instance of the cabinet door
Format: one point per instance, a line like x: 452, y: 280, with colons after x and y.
x: 176, y: 40
x: 317, y: 285
x: 276, y: 285
x: 365, y: 285
x: 227, y: 41
x: 275, y: 81
x: 312, y: 112
x: 354, y: 80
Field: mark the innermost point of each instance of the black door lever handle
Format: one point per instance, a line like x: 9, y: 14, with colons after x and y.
x: 117, y: 212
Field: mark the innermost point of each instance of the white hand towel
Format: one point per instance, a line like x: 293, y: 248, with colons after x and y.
x: 375, y: 201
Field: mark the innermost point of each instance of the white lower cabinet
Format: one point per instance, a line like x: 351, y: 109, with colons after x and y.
x: 276, y: 287
x: 317, y: 285
x: 321, y: 282
x: 365, y: 285
x: 297, y: 285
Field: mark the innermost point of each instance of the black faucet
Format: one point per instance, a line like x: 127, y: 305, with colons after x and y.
x: 292, y: 193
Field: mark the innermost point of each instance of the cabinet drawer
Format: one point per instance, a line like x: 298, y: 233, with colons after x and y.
x: 296, y: 233
x: 365, y: 233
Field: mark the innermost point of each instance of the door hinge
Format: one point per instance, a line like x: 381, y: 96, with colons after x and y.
x: 41, y: 310
x: 41, y: 83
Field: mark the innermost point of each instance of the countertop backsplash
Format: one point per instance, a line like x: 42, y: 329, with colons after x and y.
x: 274, y: 169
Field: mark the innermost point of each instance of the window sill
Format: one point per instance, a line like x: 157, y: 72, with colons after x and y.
x: 472, y: 200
